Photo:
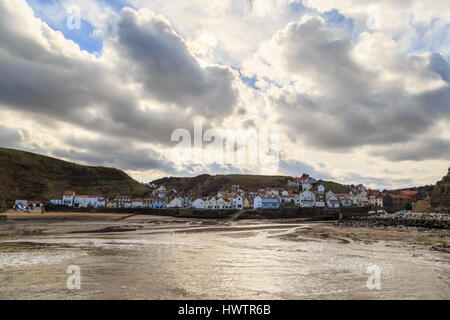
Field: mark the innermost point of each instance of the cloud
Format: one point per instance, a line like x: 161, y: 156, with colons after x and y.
x: 338, y: 91
x: 9, y: 137
x: 48, y: 76
x: 295, y: 168
x: 156, y: 56
x: 340, y: 96
x: 423, y: 149
x: 122, y: 154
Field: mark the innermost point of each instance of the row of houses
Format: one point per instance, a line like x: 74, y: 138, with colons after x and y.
x: 304, y: 192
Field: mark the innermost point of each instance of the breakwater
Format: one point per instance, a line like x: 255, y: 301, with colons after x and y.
x: 308, y: 213
x: 418, y: 220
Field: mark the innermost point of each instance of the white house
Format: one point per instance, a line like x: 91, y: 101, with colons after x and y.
x: 22, y: 203
x: 198, y: 204
x: 68, y: 198
x: 137, y: 203
x: 101, y: 202
x: 320, y: 198
x: 35, y: 204
x: 176, y: 203
x: 332, y: 200
x: 257, y: 203
x: 56, y: 202
x: 297, y: 200
x: 123, y: 201
x: 361, y: 199
x: 288, y: 199
x: 211, y: 204
x: 307, y: 199
x: 272, y: 192
x: 83, y: 201
x: 306, y: 186
x: 221, y: 203
x: 237, y: 202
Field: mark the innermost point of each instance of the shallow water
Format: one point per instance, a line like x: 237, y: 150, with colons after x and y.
x: 210, y: 263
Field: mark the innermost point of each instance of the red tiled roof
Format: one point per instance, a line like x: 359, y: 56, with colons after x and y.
x: 410, y: 192
x: 399, y: 196
x: 69, y: 193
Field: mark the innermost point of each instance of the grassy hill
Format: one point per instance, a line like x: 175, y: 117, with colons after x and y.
x: 206, y: 185
x: 29, y: 176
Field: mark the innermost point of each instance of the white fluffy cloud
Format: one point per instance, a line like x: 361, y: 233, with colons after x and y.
x: 354, y: 95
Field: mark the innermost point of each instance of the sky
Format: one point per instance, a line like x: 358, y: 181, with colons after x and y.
x: 358, y: 91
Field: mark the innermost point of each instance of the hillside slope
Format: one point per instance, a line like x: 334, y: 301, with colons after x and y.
x: 440, y: 196
x: 29, y: 176
x: 206, y: 185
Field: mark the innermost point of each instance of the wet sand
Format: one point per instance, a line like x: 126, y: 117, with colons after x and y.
x: 150, y: 257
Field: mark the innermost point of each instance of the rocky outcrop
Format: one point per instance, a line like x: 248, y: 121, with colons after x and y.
x: 440, y: 196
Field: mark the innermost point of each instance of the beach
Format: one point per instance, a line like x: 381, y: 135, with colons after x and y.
x: 127, y: 256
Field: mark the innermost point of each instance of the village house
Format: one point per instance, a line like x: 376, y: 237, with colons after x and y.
x: 247, y: 203
x: 68, y: 198
x: 236, y: 201
x: 160, y: 192
x: 379, y: 200
x: 111, y: 203
x: 123, y: 201
x: 211, y: 204
x: 397, y: 202
x: 198, y: 204
x: 266, y: 202
x: 320, y: 197
x: 332, y: 200
x: 85, y: 201
x: 22, y: 203
x: 360, y: 199
x: 148, y: 203
x: 158, y: 203
x: 35, y: 204
x: 56, y: 202
x: 345, y: 200
x: 297, y: 182
x: 307, y: 199
x: 137, y: 203
x: 413, y: 194
x: 287, y: 200
x: 176, y: 203
x: 235, y: 188
x: 306, y: 186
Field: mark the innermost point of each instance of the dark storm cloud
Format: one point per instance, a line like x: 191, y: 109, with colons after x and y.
x: 159, y: 58
x: 439, y: 65
x: 384, y: 182
x: 356, y: 109
x: 38, y: 79
x: 120, y: 154
x: 423, y: 149
x: 296, y: 168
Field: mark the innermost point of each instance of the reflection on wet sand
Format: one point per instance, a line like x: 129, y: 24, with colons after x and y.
x: 142, y: 257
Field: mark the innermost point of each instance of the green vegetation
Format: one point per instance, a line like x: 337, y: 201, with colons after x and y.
x: 29, y: 176
x: 206, y: 185
x: 334, y: 186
